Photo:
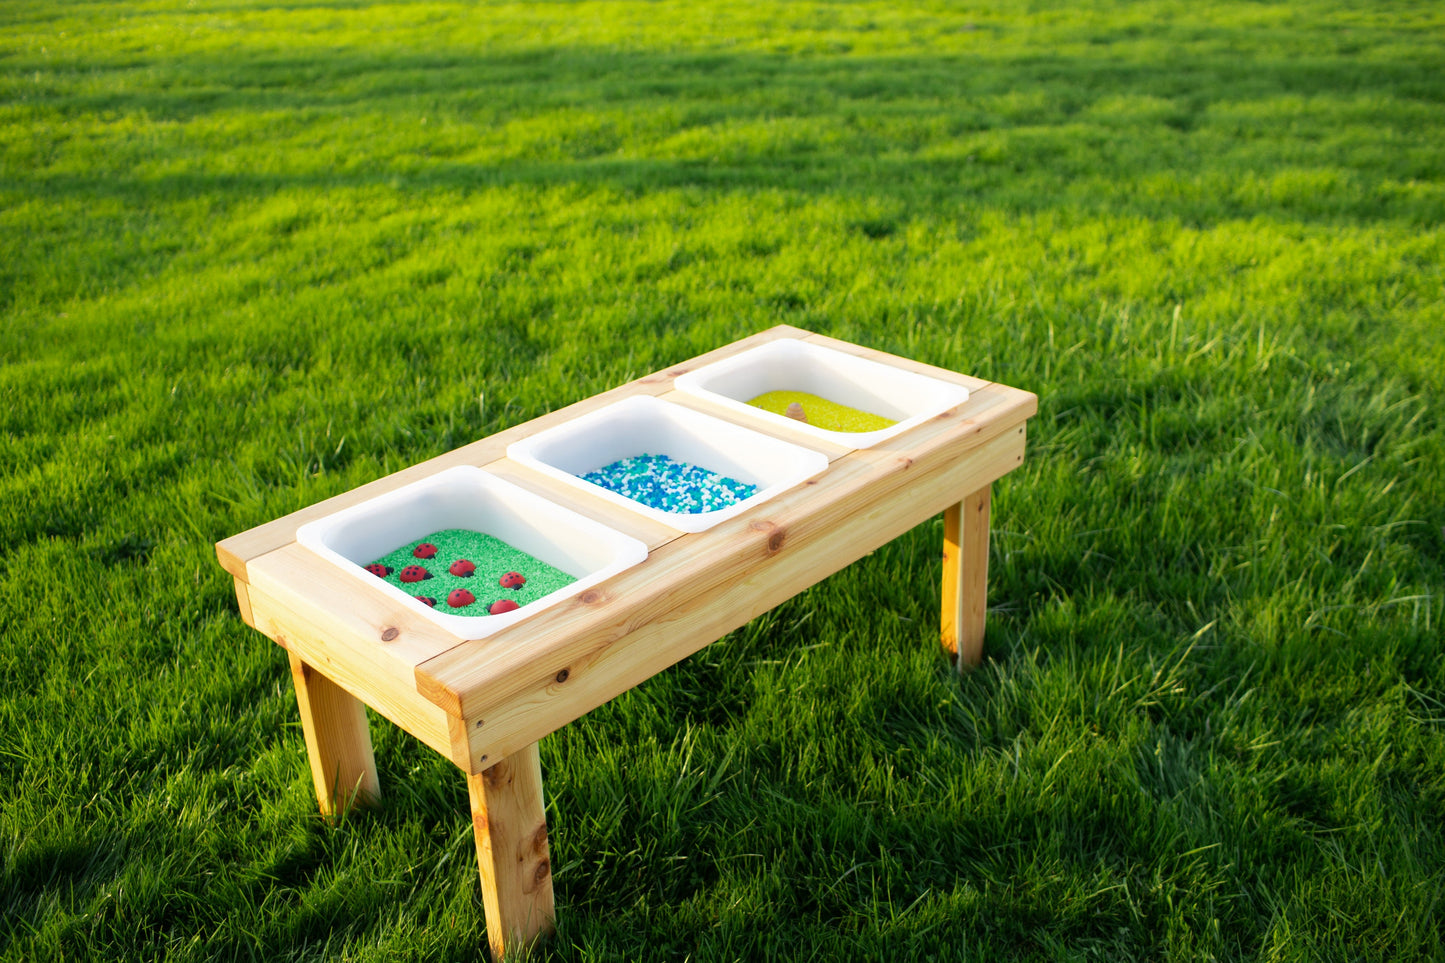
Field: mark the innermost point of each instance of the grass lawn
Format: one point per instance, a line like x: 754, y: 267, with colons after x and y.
x: 253, y: 255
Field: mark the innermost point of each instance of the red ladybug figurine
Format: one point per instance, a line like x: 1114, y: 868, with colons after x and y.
x: 462, y: 568
x: 427, y: 600
x: 502, y: 605
x: 414, y: 573
x: 513, y: 580
x: 425, y: 550
x: 378, y: 569
x: 460, y: 598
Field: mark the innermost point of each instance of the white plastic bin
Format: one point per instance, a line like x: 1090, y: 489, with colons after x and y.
x: 470, y: 498
x: 793, y: 365
x: 644, y: 425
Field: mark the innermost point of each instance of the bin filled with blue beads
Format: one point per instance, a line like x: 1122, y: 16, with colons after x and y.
x: 669, y: 485
x: 677, y: 465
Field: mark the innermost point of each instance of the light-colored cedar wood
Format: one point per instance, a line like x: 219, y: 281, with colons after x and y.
x: 989, y: 411
x: 511, y: 834
x: 338, y: 741
x: 758, y: 423
x: 986, y: 414
x: 243, y: 602
x: 348, y: 611
x: 640, y: 625
x: 347, y: 649
x: 459, y: 745
x: 965, y: 578
x: 907, y: 364
x: 839, y: 493
x: 651, y: 533
x: 236, y: 552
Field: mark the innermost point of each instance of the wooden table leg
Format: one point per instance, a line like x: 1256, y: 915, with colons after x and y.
x: 965, y: 577
x: 511, y: 831
x: 338, y: 741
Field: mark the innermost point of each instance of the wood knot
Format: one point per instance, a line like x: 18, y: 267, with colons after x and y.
x: 390, y: 633
x: 775, y: 541
x: 543, y: 870
x: 762, y: 525
x: 562, y: 676
x: 905, y: 461
x: 590, y: 597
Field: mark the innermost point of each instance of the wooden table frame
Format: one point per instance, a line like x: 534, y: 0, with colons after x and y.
x: 484, y: 704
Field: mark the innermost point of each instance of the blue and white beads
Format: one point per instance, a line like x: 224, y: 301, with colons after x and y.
x: 668, y: 485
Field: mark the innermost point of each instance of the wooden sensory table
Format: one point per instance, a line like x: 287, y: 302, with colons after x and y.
x: 484, y: 704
